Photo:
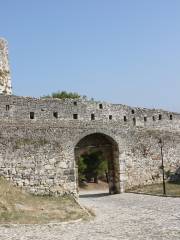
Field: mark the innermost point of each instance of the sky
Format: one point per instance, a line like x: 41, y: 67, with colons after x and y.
x: 118, y: 51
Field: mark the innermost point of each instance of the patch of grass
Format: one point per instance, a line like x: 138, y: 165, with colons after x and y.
x: 17, y: 206
x: 172, y: 189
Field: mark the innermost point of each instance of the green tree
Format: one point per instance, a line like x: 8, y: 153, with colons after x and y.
x: 63, y: 95
x: 81, y: 169
x: 95, y: 164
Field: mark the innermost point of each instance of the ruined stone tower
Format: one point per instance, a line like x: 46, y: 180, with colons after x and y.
x: 5, y: 80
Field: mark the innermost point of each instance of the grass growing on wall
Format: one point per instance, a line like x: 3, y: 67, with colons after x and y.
x: 17, y: 206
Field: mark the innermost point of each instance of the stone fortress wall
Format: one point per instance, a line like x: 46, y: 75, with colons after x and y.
x: 40, y: 140
x: 48, y: 109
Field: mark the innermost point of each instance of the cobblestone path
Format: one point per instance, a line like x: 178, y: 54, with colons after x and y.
x: 123, y: 216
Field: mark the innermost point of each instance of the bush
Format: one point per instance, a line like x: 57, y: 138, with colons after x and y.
x: 63, y: 95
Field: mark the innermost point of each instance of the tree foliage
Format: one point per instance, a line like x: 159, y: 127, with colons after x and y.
x: 81, y: 168
x: 64, y: 95
x: 92, y: 166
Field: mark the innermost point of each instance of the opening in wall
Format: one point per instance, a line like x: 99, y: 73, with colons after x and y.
x: 75, y: 103
x: 132, y: 111
x: 125, y: 119
x: 153, y: 118
x: 171, y: 117
x: 55, y: 114
x: 100, y: 106
x: 7, y: 107
x: 145, y: 119
x: 92, y: 116
x: 134, y: 121
x: 75, y: 116
x: 101, y: 161
x: 160, y: 117
x: 31, y: 115
x: 110, y: 117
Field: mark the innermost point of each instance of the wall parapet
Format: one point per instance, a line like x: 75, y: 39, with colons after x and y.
x: 52, y: 110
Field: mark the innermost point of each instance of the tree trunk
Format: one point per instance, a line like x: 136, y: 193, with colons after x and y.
x: 96, y: 179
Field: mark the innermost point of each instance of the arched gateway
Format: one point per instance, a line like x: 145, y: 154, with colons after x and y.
x: 99, y: 142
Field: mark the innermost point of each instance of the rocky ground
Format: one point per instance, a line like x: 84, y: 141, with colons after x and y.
x: 123, y: 216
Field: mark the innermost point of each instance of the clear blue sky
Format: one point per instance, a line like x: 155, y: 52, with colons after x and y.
x: 120, y: 51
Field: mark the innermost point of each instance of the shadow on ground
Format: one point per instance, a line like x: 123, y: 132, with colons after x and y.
x: 92, y: 195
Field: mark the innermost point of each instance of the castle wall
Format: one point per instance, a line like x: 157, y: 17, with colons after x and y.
x: 38, y: 153
x: 19, y: 108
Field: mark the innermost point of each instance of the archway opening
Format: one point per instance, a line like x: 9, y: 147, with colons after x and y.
x: 97, y: 163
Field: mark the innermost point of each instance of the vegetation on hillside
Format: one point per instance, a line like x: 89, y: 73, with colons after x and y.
x: 172, y: 189
x: 17, y: 206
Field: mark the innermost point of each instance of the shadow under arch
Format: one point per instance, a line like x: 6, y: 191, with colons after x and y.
x: 107, y: 133
x: 98, y: 141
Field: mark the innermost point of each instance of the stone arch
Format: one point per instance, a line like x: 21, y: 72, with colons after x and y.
x: 92, y: 131
x: 108, y: 144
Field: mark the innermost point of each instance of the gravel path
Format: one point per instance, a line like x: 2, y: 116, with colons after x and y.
x: 123, y: 216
